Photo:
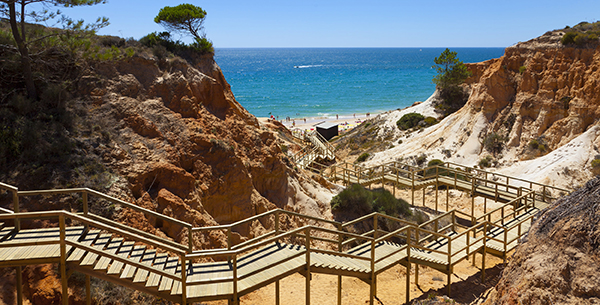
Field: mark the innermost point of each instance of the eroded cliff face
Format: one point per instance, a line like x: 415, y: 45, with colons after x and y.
x: 179, y: 143
x: 542, y: 99
x: 550, y: 91
x: 558, y: 261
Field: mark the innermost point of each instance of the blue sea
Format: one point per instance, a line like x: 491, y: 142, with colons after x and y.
x: 323, y: 82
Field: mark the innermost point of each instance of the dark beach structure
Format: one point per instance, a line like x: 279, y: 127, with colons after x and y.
x: 327, y: 130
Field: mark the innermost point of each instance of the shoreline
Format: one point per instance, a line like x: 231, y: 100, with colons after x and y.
x: 345, y: 122
x: 348, y: 122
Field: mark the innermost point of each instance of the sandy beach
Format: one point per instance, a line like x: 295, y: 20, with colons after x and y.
x: 345, y: 122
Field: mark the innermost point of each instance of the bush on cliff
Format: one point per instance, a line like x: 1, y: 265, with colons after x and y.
x: 409, y: 121
x: 582, y: 34
x: 451, y: 73
x: 359, y: 201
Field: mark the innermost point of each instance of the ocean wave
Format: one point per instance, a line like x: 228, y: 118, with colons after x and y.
x: 307, y: 66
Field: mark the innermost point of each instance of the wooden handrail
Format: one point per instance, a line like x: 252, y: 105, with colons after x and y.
x: 106, y: 197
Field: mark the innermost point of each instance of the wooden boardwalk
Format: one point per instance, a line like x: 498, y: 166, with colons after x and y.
x: 101, y: 248
x: 316, y: 147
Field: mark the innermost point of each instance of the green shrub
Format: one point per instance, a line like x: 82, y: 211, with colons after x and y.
x: 357, y: 200
x: 430, y: 121
x: 409, y: 120
x: 432, y: 171
x: 494, y: 142
x: 568, y: 38
x: 538, y: 144
x: 203, y: 45
x: 363, y: 157
x: 596, y: 163
x: 522, y: 69
x: 486, y: 162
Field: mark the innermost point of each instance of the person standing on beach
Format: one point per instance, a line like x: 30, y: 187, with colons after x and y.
x: 336, y: 117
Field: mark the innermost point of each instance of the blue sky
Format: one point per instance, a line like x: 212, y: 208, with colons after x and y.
x: 353, y: 23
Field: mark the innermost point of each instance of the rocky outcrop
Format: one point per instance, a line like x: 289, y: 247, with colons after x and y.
x: 541, y: 99
x: 557, y: 262
x: 550, y: 91
x: 179, y: 143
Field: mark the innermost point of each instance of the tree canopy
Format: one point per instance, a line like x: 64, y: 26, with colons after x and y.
x: 184, y: 18
x: 17, y: 14
x: 451, y: 71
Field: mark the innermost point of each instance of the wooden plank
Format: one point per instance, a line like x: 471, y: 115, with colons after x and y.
x: 6, y: 232
x: 171, y: 266
x: 124, y: 251
x: 142, y: 274
x: 112, y: 248
x: 89, y: 238
x: 159, y: 263
x: 90, y: 258
x: 136, y: 255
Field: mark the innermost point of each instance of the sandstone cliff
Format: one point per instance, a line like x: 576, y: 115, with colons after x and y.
x: 179, y: 143
x: 540, y: 98
x: 168, y: 135
x: 558, y: 261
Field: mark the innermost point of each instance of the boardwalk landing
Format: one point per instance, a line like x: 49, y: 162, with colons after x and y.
x: 101, y: 248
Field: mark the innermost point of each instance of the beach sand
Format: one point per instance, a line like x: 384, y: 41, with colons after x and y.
x: 345, y: 122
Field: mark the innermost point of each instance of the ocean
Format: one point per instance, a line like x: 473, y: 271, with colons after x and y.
x: 323, y: 82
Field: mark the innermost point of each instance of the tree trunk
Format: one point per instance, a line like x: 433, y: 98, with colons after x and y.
x: 25, y: 60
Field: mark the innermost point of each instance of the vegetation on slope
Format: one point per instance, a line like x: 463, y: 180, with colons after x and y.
x: 451, y: 74
x: 582, y: 34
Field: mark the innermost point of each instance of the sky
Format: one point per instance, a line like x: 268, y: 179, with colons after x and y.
x: 353, y: 23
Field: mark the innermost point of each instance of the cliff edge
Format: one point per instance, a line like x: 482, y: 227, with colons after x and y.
x: 558, y: 261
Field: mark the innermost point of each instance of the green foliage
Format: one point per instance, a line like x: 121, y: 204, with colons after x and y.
x: 494, y: 142
x: 162, y: 44
x: 451, y: 71
x: 596, y: 163
x: 582, y: 34
x: 452, y: 99
x: 486, y: 162
x: 522, y: 69
x: 430, y: 121
x: 433, y: 171
x: 184, y: 18
x: 538, y: 144
x: 357, y: 200
x: 409, y: 120
x: 203, y: 45
x: 363, y: 157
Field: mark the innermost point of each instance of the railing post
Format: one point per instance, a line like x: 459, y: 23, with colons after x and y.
x: 375, y: 226
x: 307, y: 242
x: 84, y: 197
x: 373, y: 276
x: 183, y: 280
x: 449, y: 263
x: 543, y: 193
x: 15, y: 196
x: 235, y: 282
x: 190, y: 240
x: 63, y: 260
x: 408, y: 267
x: 229, y: 238
x: 277, y: 222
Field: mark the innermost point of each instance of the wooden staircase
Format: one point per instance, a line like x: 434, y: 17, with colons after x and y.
x: 98, y: 247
